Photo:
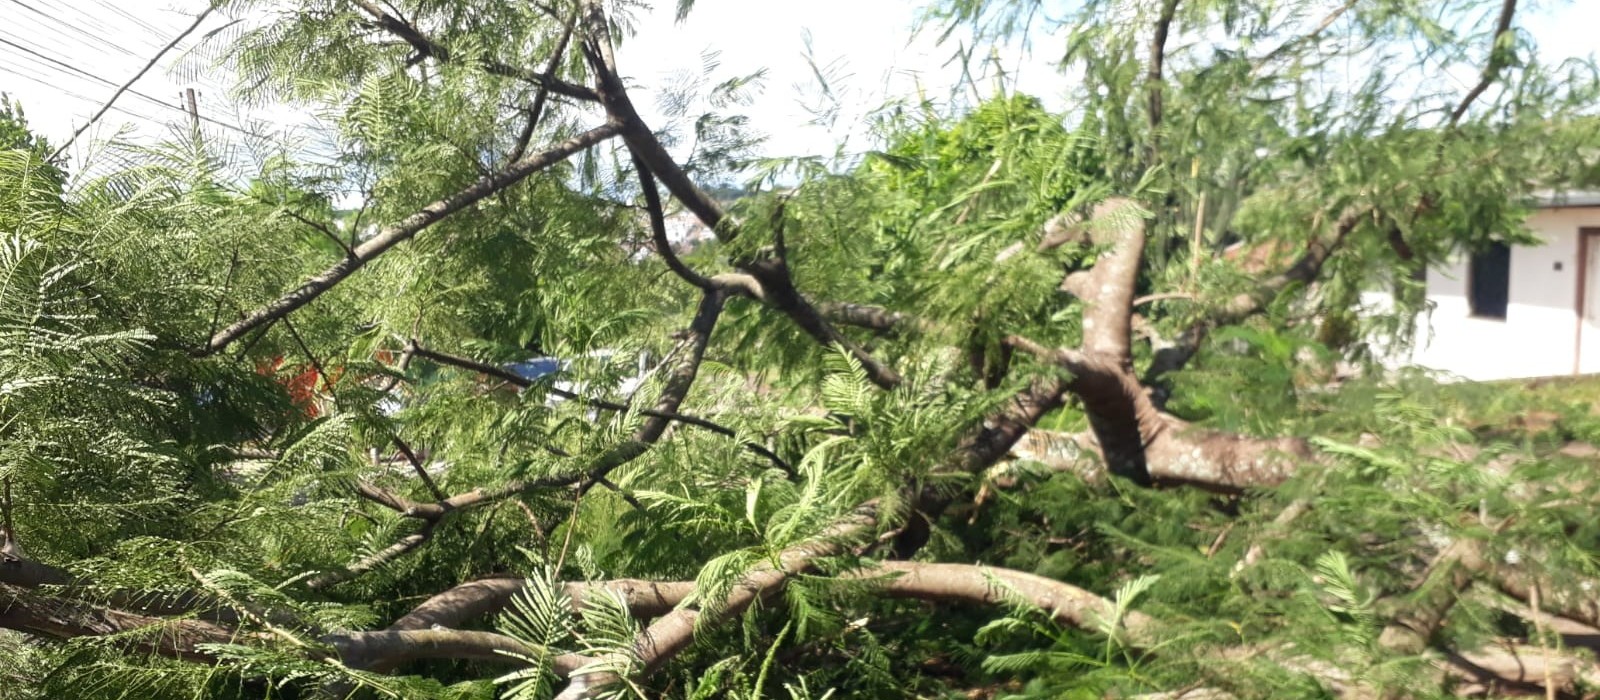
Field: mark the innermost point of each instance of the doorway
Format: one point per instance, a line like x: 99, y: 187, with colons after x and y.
x: 1587, y: 359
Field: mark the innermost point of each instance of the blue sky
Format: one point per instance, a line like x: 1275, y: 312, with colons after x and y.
x: 869, y: 45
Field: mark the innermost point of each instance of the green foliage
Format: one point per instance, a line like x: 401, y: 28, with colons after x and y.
x: 16, y: 136
x: 139, y: 466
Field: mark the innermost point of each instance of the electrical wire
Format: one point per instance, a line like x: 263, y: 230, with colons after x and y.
x: 136, y: 76
x: 38, y: 56
x: 92, y: 20
x: 135, y: 18
x: 21, y: 71
x: 56, y: 19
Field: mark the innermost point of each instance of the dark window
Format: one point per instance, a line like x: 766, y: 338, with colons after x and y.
x: 1489, y: 281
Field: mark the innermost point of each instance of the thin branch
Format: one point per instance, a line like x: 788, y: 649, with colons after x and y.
x: 324, y: 230
x: 536, y: 112
x: 627, y: 497
x: 658, y: 229
x: 1285, y: 47
x: 372, y: 561
x: 512, y: 378
x: 316, y: 366
x: 403, y: 231
x: 422, y: 471
x: 676, y: 388
x: 386, y: 498
x: 1498, y: 59
x: 1305, y: 270
x: 136, y: 76
x: 1165, y: 296
x: 227, y: 288
x: 427, y: 47
x: 777, y: 288
x: 399, y: 371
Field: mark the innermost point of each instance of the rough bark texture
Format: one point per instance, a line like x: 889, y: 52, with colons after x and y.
x: 476, y: 599
x: 49, y: 616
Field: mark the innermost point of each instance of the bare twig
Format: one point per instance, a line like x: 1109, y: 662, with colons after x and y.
x: 536, y: 111
x: 1273, y: 55
x: 324, y: 230
x: 136, y: 76
x: 422, y: 471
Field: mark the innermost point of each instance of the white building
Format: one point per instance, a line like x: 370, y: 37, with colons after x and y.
x: 1520, y: 311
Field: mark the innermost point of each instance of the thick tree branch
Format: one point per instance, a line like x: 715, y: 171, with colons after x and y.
x: 403, y: 231
x: 777, y: 288
x: 383, y: 651
x: 26, y: 573
x: 49, y: 616
x: 1108, y: 288
x: 682, y: 376
x: 20, y: 571
x: 477, y: 599
x: 874, y: 318
x: 982, y: 585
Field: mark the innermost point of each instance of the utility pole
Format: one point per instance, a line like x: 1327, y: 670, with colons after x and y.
x: 192, y: 107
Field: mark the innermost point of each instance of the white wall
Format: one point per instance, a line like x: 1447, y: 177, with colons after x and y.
x: 1538, y: 336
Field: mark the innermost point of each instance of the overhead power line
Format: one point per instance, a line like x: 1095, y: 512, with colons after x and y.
x: 80, y: 31
x: 92, y: 20
x: 22, y: 71
x: 62, y: 65
x: 137, y: 19
x: 125, y: 86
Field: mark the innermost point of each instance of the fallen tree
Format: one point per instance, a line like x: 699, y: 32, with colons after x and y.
x: 841, y: 397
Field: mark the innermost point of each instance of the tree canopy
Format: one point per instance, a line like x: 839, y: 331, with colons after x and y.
x: 995, y: 409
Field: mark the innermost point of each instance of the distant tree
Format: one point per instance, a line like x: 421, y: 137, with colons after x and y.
x: 15, y: 135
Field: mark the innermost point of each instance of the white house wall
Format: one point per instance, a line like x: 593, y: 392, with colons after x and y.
x: 1538, y: 336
